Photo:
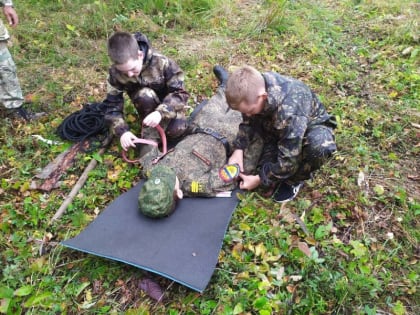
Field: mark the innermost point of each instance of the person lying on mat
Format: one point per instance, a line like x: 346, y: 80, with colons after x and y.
x: 196, y: 166
x: 296, y: 128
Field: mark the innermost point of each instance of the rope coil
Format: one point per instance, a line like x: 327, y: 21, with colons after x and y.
x: 87, y: 124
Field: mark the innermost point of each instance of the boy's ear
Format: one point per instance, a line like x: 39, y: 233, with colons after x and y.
x: 263, y: 94
x: 140, y: 54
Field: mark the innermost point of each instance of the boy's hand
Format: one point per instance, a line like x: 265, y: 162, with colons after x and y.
x: 237, y: 157
x: 249, y: 182
x: 11, y: 15
x: 153, y: 119
x: 127, y: 139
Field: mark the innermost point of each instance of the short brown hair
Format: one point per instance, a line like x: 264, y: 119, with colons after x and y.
x: 122, y: 46
x: 243, y: 85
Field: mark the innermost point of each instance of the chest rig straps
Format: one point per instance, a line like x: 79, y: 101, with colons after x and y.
x: 216, y: 135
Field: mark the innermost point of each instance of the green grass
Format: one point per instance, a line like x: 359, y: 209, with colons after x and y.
x: 356, y: 248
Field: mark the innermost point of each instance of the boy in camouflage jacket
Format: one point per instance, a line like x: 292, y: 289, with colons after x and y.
x: 153, y: 82
x: 296, y: 128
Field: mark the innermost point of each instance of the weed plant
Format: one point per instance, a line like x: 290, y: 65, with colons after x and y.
x: 348, y: 244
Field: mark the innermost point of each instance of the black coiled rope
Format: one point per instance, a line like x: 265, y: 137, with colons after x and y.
x: 87, y: 124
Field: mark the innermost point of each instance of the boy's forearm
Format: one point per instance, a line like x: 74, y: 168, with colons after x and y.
x: 245, y: 133
x: 114, y: 116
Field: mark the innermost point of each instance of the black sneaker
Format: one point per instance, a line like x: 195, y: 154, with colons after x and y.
x: 21, y: 112
x: 221, y: 74
x: 286, y: 192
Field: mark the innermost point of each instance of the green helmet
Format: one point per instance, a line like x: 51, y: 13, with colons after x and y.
x: 156, y: 197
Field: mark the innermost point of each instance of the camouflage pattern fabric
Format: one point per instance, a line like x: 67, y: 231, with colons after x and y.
x: 160, y: 86
x: 10, y: 91
x: 294, y: 145
x: 156, y: 195
x: 5, y: 2
x: 198, y: 157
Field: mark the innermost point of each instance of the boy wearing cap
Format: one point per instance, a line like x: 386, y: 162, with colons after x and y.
x: 153, y: 82
x: 296, y: 128
x: 198, y: 161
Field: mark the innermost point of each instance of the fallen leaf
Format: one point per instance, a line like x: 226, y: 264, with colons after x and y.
x: 152, y: 289
x: 379, y: 190
x: 88, y: 296
x: 280, y: 274
x: 413, y: 177
x: 260, y: 249
x: 237, y: 251
x: 304, y: 248
x: 407, y: 51
x: 310, y: 240
x: 361, y: 180
x: 296, y: 278
x: 316, y: 194
x: 243, y: 275
x: 97, y: 287
x: 291, y: 288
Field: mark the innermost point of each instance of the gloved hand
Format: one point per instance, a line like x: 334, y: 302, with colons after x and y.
x: 127, y: 139
x: 153, y: 119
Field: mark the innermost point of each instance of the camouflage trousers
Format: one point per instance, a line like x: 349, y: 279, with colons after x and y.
x: 145, y: 101
x: 10, y: 91
x: 318, y: 146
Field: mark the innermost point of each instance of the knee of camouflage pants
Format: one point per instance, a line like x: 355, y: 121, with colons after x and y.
x: 177, y: 127
x: 319, y: 145
x: 145, y: 101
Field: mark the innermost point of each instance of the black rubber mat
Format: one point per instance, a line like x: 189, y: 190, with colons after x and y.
x: 183, y: 247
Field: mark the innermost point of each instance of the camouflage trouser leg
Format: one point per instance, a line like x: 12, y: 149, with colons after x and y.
x: 319, y: 144
x: 10, y: 91
x: 145, y: 100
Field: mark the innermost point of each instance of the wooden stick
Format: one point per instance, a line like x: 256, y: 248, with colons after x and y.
x: 80, y: 182
x: 51, y: 174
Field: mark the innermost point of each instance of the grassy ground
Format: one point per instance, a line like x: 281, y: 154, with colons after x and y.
x: 355, y: 249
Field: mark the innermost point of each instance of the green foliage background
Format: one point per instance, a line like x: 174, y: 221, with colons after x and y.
x: 347, y: 245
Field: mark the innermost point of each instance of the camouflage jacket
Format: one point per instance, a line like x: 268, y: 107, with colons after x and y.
x: 6, y: 2
x: 4, y: 34
x: 291, y: 108
x: 199, y: 156
x: 159, y: 73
